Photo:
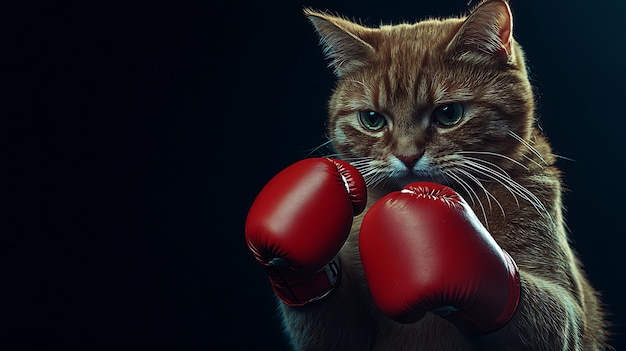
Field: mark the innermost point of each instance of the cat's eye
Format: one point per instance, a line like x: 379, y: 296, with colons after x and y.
x: 449, y: 115
x: 372, y: 120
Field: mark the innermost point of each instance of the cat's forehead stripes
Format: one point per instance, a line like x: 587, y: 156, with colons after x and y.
x: 404, y: 79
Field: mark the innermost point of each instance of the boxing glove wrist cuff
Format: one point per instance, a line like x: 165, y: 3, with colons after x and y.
x: 296, y: 288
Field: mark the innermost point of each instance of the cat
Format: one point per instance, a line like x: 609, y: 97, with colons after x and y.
x: 449, y: 101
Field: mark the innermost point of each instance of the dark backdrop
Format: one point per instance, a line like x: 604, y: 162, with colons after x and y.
x: 137, y: 134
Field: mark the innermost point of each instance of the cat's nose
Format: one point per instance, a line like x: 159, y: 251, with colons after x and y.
x: 409, y: 161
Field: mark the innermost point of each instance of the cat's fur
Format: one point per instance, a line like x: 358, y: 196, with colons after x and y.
x: 494, y: 157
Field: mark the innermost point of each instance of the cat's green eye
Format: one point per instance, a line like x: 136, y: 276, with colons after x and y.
x: 449, y: 115
x: 372, y: 120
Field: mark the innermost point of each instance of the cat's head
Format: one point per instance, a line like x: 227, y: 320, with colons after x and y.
x: 436, y: 100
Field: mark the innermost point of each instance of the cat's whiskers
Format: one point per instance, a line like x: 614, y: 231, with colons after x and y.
x: 508, y: 183
x: 489, y: 153
x: 487, y: 164
x: 372, y: 175
x: 493, y: 167
x: 375, y: 178
x: 470, y: 192
x: 535, y: 152
x: 487, y: 193
x: 530, y: 148
x: 530, y: 159
x: 317, y: 148
x: 501, y: 178
x: 564, y: 158
x: 380, y: 177
x: 464, y: 169
x: 458, y: 180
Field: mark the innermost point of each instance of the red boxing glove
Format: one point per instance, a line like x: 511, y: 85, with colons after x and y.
x: 299, y: 222
x: 423, y: 249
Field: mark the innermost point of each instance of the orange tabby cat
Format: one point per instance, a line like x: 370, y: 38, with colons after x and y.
x: 449, y: 101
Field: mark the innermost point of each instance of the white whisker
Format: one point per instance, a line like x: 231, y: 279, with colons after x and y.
x: 487, y: 164
x: 533, y: 161
x: 456, y: 179
x: 488, y: 194
x: 493, y: 175
x: 471, y: 171
x: 509, y: 183
x: 317, y: 148
x: 503, y: 174
x: 376, y: 179
x: 493, y: 154
x: 564, y: 158
x: 528, y: 146
x: 471, y: 193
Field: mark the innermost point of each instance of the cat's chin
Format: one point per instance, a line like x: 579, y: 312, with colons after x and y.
x: 399, y: 182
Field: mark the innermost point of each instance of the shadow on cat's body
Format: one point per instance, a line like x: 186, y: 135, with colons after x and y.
x: 492, y: 155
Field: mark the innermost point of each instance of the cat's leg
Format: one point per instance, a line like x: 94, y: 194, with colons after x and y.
x: 338, y: 322
x: 549, y: 317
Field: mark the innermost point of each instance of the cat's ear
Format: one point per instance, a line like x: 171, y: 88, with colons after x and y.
x: 486, y: 34
x: 342, y: 40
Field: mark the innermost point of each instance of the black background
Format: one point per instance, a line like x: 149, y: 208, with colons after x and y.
x: 136, y: 135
